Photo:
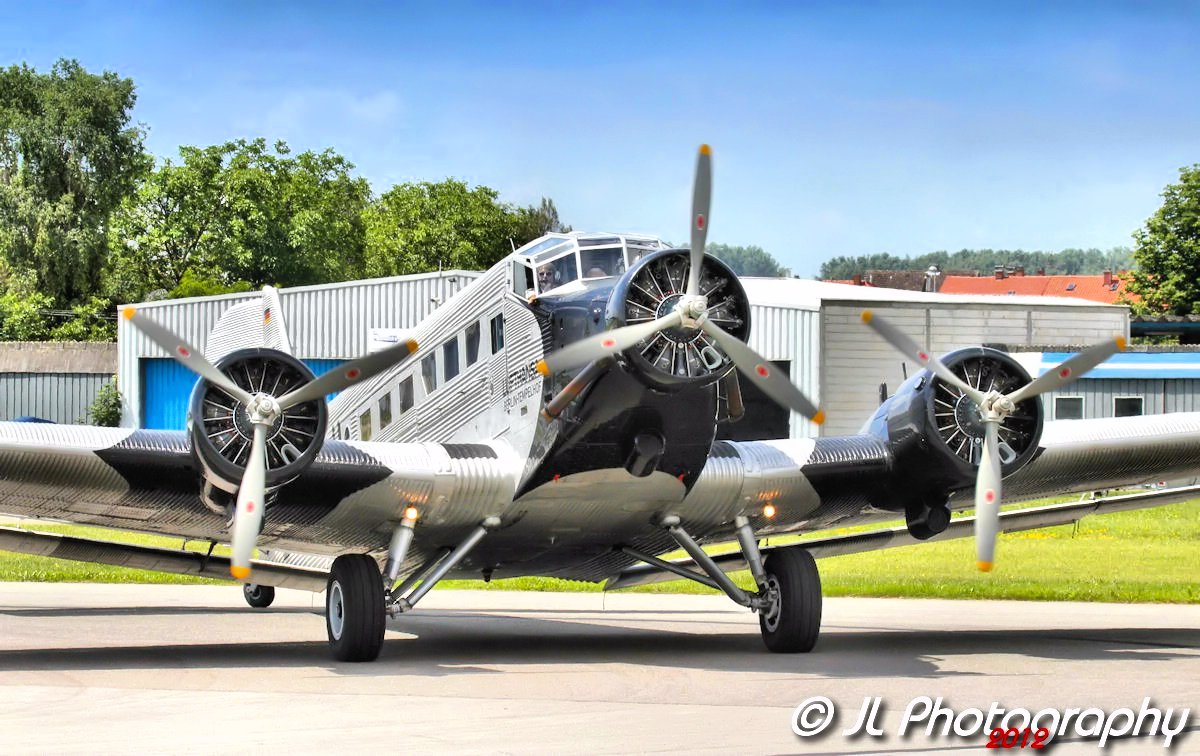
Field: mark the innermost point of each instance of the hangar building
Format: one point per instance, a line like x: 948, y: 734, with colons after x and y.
x: 812, y: 328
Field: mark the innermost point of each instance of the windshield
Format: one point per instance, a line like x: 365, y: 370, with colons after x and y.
x: 600, y: 263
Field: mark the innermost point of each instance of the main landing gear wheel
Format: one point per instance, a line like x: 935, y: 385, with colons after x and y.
x: 258, y: 596
x: 354, y: 608
x: 792, y: 622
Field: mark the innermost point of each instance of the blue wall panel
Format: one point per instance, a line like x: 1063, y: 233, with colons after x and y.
x: 167, y: 386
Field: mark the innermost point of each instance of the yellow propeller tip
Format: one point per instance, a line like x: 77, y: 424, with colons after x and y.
x: 984, y: 566
x: 867, y: 315
x: 705, y: 149
x: 819, y: 418
x: 127, y: 312
x: 543, y: 368
x: 412, y: 345
x: 1121, y: 343
x: 241, y: 573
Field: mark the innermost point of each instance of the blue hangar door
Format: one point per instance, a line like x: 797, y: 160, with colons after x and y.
x: 167, y: 386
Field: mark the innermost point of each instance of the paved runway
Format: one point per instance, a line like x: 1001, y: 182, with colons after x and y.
x: 87, y: 668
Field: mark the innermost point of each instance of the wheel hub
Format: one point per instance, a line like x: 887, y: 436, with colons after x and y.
x: 770, y: 615
x: 336, y: 610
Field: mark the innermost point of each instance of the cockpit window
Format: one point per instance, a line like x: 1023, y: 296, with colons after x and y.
x: 555, y: 273
x: 600, y: 263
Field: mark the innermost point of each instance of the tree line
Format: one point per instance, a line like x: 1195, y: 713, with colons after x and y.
x: 984, y: 261
x: 89, y: 219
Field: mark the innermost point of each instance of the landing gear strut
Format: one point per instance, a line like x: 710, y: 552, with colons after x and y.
x: 788, y: 599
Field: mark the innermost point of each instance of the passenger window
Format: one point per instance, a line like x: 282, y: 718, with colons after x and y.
x: 406, y: 394
x: 450, y: 358
x: 364, y: 426
x: 385, y: 410
x: 429, y: 374
x: 472, y: 343
x: 497, y: 333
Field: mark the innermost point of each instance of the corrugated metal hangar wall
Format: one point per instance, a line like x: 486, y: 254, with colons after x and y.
x: 54, y: 381
x: 814, y: 327
x: 328, y: 324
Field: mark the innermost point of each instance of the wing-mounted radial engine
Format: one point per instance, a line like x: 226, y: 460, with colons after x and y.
x: 676, y: 356
x: 974, y: 414
x: 937, y: 433
x: 257, y: 417
x: 223, y: 433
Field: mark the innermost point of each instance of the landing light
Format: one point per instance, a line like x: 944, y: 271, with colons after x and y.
x: 411, y: 513
x: 769, y: 511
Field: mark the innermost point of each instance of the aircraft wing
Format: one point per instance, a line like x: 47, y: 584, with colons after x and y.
x: 347, y: 500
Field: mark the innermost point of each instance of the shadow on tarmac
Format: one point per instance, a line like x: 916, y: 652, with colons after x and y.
x: 452, y: 643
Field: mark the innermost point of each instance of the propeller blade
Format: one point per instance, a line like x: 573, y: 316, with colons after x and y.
x: 701, y: 201
x: 349, y: 374
x: 607, y: 344
x: 987, y: 499
x: 247, y: 518
x: 186, y: 354
x: 1069, y: 370
x: 771, y: 381
x: 275, y: 335
x: 909, y: 348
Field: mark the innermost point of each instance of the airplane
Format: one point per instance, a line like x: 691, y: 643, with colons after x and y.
x: 558, y: 417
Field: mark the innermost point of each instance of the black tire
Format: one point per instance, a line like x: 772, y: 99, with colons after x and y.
x: 354, y: 608
x: 792, y: 625
x: 258, y: 596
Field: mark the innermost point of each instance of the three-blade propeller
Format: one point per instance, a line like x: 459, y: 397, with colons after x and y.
x: 690, y: 313
x: 994, y: 407
x: 263, y: 410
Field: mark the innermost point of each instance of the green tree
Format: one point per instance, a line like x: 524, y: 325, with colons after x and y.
x: 68, y: 155
x: 22, y: 307
x: 1167, y: 251
x: 533, y: 222
x: 748, y: 261
x: 240, y: 212
x: 420, y: 227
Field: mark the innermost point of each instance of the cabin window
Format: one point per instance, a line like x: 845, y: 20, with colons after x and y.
x: 346, y: 432
x: 497, y: 333
x: 1127, y: 406
x: 551, y: 275
x: 429, y: 374
x: 522, y: 279
x: 450, y: 358
x: 364, y: 426
x: 472, y: 335
x: 1068, y: 408
x: 385, y: 410
x: 601, y: 263
x: 406, y: 394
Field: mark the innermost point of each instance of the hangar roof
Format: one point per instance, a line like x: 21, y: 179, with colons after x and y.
x: 808, y: 294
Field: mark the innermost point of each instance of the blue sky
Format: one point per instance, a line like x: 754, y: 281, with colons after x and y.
x: 836, y: 129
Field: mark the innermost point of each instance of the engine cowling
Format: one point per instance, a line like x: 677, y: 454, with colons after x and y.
x: 221, y: 430
x: 678, y: 356
x: 936, y: 434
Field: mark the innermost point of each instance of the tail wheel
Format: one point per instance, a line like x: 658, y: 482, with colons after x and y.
x: 792, y: 622
x: 355, y: 613
x: 258, y: 596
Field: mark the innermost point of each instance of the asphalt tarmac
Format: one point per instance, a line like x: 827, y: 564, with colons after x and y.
x: 106, y: 668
